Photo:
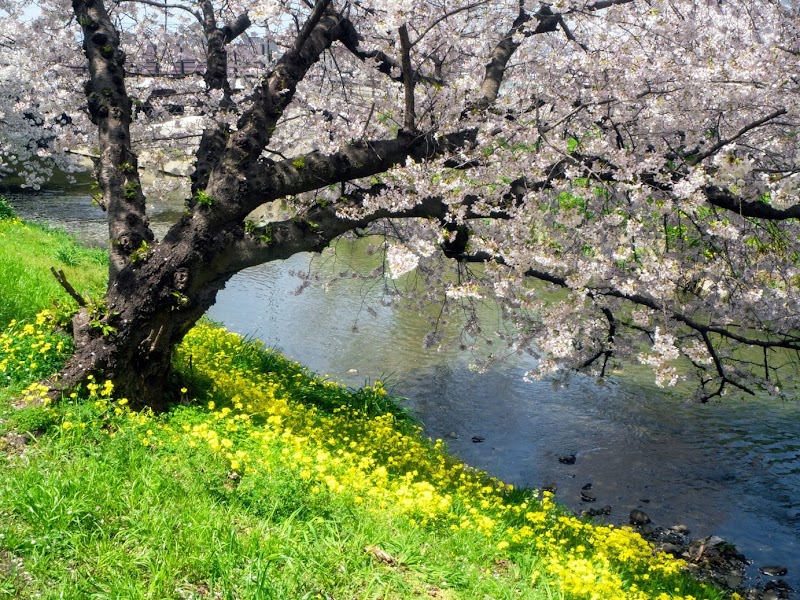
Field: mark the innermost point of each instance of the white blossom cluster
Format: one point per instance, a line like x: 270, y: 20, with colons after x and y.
x: 400, y: 260
x: 590, y: 173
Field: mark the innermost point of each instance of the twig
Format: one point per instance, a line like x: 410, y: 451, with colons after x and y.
x: 62, y: 279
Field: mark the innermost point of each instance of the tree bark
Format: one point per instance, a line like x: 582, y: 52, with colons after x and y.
x: 149, y: 307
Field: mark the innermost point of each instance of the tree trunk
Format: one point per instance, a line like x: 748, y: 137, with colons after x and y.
x: 129, y: 337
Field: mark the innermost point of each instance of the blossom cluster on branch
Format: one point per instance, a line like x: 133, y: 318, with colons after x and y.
x: 640, y: 159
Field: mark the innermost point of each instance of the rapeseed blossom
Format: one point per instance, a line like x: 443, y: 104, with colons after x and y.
x: 264, y: 412
x: 346, y: 450
x: 29, y: 351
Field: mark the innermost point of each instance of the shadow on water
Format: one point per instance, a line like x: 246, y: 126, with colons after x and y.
x: 732, y: 469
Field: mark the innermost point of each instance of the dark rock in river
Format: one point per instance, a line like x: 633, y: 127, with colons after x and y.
x: 733, y: 580
x: 674, y: 549
x: 717, y: 560
x: 597, y: 512
x: 779, y: 588
x: 567, y: 459
x: 648, y: 530
x: 712, y: 559
x: 773, y: 570
x: 681, y: 529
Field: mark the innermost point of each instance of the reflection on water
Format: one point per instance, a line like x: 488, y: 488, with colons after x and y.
x: 77, y: 215
x: 732, y: 469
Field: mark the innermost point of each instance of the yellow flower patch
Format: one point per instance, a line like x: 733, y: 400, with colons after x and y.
x: 264, y: 413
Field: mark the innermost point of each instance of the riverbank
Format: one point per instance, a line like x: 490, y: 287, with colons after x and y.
x: 268, y: 481
x: 729, y: 469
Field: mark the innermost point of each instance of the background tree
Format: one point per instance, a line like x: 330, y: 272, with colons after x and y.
x: 38, y: 92
x: 640, y: 156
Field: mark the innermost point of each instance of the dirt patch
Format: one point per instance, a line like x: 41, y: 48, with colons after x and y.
x: 14, y: 444
x: 12, y: 569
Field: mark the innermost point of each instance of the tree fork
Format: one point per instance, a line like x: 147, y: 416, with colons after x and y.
x: 132, y: 342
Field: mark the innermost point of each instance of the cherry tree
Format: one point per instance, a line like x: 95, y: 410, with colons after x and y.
x: 35, y: 103
x: 638, y: 159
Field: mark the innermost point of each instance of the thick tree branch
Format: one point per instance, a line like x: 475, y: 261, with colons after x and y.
x: 746, y: 208
x: 320, y: 7
x: 270, y: 99
x: 233, y: 30
x: 314, y: 231
x: 110, y: 109
x: 265, y: 181
x: 495, y: 69
x: 601, y: 4
x: 216, y: 73
x: 215, y: 76
x: 548, y: 21
x: 270, y: 181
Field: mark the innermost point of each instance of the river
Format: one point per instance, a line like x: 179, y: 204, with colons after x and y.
x: 730, y: 468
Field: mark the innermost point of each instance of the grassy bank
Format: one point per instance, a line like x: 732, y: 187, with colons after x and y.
x: 264, y: 481
x: 26, y: 254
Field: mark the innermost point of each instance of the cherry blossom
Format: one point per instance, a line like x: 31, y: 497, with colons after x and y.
x: 621, y: 176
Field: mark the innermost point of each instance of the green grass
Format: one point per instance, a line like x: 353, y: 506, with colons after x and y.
x: 112, y: 519
x: 266, y: 481
x: 27, y: 252
x: 87, y: 514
